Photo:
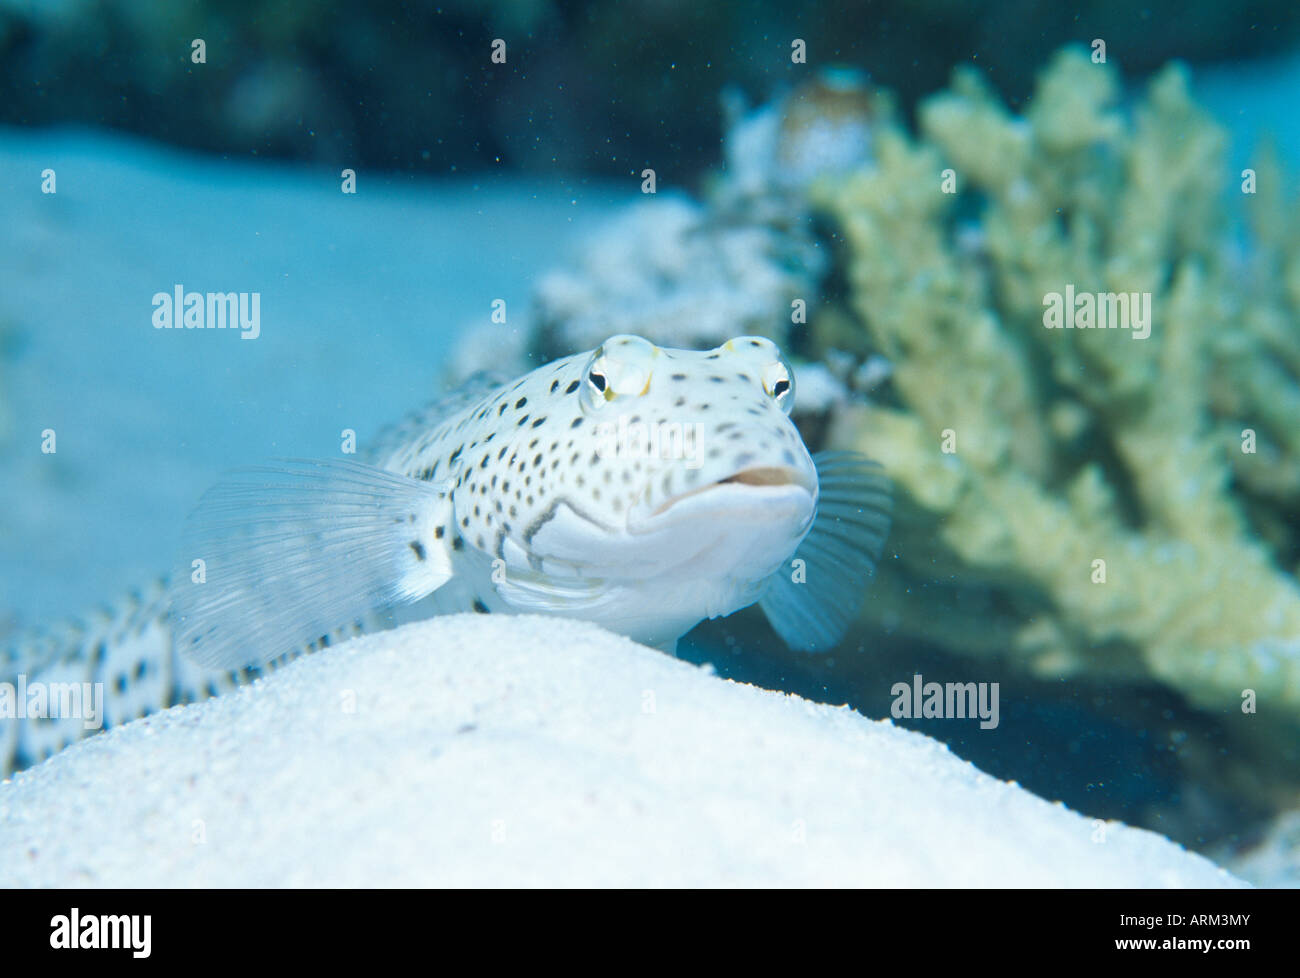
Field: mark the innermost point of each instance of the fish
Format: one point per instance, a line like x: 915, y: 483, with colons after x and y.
x: 642, y: 488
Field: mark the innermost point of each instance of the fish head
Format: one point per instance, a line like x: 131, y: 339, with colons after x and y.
x: 677, y: 462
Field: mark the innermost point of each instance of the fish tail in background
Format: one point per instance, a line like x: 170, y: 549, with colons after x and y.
x: 277, y: 556
x: 72, y: 680
x: 812, y: 604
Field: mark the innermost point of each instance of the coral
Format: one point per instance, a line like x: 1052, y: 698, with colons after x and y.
x: 1079, y: 445
x: 672, y: 270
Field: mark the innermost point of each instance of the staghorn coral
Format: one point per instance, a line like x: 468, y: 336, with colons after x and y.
x: 1082, y: 444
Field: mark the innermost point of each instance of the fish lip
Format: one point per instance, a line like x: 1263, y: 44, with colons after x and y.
x: 758, y: 476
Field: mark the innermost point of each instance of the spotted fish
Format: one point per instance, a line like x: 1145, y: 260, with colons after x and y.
x: 638, y: 487
x: 641, y: 488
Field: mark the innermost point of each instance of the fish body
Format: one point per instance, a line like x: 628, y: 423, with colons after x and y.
x: 639, y: 487
x: 663, y: 496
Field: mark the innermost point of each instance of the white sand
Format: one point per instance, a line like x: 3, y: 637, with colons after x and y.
x: 531, y: 751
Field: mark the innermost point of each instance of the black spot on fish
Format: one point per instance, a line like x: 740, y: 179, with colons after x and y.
x: 679, y: 376
x: 539, y: 422
x: 418, y: 549
x: 523, y: 421
x: 458, y: 543
x: 521, y: 402
x: 571, y: 388
x: 554, y: 384
x: 576, y: 423
x: 502, y: 409
x: 480, y: 607
x: 439, y: 532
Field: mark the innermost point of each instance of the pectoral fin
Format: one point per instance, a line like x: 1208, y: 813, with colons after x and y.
x: 812, y: 604
x: 293, y: 551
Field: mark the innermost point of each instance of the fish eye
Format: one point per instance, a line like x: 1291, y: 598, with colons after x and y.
x: 619, y: 369
x: 596, y: 388
x: 778, y: 383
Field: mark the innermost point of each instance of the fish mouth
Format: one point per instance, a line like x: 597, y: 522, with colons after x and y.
x: 762, y: 476
x: 766, y: 475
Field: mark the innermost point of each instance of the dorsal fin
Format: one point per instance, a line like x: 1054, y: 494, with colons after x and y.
x: 399, y: 435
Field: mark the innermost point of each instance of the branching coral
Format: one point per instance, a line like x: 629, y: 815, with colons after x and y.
x: 1072, y: 446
